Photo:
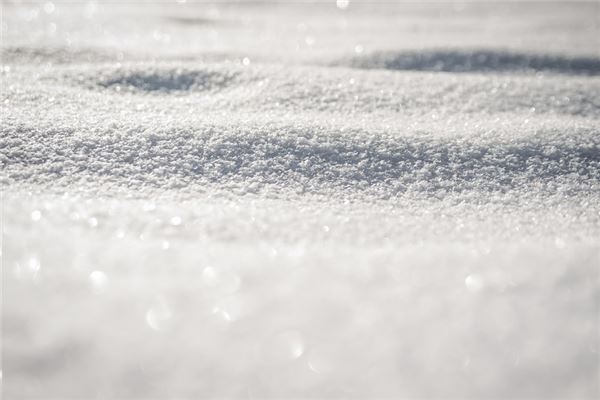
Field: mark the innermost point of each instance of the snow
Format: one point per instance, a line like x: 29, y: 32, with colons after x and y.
x: 322, y: 200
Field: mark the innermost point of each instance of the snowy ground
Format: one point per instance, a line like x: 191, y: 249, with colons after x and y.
x: 300, y: 200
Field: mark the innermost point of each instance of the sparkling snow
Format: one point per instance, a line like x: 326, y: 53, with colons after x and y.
x: 338, y: 199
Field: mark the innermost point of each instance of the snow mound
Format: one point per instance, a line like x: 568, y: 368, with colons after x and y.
x: 488, y: 61
x: 166, y: 80
x: 298, y: 91
x: 56, y: 55
x: 197, y: 204
x: 308, y: 159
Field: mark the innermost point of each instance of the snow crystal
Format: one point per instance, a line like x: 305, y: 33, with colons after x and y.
x: 342, y: 4
x: 36, y: 215
x: 474, y: 283
x: 98, y: 280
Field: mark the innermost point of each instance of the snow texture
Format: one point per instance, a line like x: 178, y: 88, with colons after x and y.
x: 260, y: 200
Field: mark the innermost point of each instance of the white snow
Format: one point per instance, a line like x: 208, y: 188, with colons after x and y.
x: 321, y: 200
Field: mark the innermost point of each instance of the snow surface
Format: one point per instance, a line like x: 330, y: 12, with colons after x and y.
x: 300, y: 200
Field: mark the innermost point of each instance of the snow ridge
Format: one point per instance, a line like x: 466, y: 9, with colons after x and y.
x: 305, y: 159
x: 175, y: 80
x: 482, y: 60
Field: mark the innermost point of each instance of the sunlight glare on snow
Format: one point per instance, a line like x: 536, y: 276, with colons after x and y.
x: 49, y: 7
x: 36, y: 215
x: 320, y: 360
x: 158, y: 316
x: 229, y: 308
x: 51, y: 30
x: 223, y: 313
x: 221, y: 280
x: 99, y: 281
x: 559, y: 243
x: 474, y: 283
x: 283, y: 347
x: 149, y: 206
x: 29, y: 269
x: 342, y: 4
x: 34, y: 264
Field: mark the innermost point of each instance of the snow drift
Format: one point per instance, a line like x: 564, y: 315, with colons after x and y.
x: 246, y: 200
